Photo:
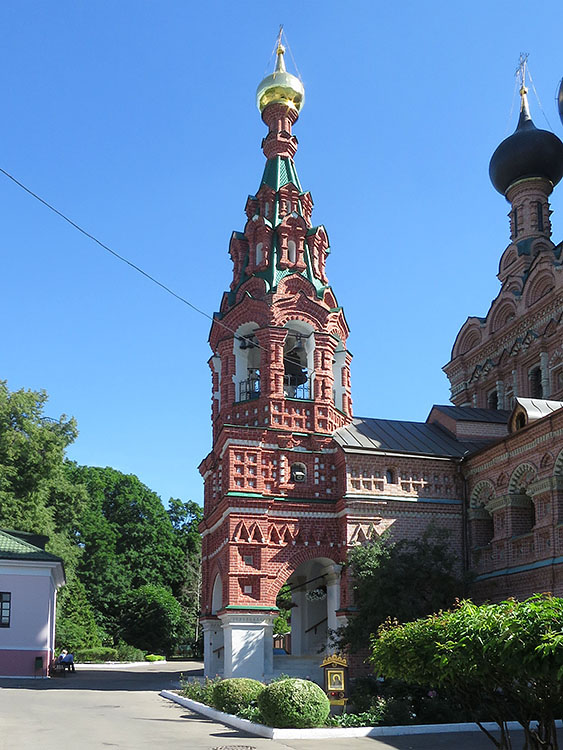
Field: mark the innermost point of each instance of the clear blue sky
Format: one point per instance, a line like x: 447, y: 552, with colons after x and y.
x: 138, y: 120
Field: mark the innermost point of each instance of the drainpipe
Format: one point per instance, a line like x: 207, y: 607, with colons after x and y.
x: 464, y: 532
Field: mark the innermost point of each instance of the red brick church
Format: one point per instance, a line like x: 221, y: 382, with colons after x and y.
x: 294, y: 479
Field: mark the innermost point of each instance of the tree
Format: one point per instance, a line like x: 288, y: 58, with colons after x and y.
x: 283, y: 602
x: 127, y: 539
x: 403, y: 580
x: 500, y: 661
x: 185, y: 518
x: 76, y: 623
x: 32, y: 450
x: 153, y: 619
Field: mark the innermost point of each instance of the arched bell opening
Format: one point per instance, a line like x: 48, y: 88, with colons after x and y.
x: 298, y: 360
x: 247, y: 363
x: 338, y: 364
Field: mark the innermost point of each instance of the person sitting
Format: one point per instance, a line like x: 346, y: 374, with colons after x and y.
x: 67, y: 660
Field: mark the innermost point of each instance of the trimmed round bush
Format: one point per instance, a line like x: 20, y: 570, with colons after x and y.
x: 235, y: 693
x: 294, y: 703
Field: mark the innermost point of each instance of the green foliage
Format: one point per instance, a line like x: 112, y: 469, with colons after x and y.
x: 252, y: 713
x: 202, y: 692
x: 76, y: 624
x: 154, y: 657
x: 185, y: 518
x: 128, y: 541
x: 31, y: 457
x: 398, y: 702
x: 294, y: 703
x: 111, y: 531
x: 403, y: 580
x: 152, y: 619
x: 125, y: 652
x: 499, y: 661
x: 100, y: 654
x: 363, y: 719
x: 283, y: 601
x: 234, y: 694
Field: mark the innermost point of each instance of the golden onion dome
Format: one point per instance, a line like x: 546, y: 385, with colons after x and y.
x: 280, y: 87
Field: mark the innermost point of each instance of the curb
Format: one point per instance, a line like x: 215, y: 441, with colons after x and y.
x: 324, y: 733
x: 115, y: 664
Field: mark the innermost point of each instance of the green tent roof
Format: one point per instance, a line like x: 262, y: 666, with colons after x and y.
x: 278, y: 172
x: 14, y: 548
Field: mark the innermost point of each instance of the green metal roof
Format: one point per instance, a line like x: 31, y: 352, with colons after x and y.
x: 14, y: 548
x: 278, y: 172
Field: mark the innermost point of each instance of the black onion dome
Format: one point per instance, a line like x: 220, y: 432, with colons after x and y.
x: 560, y: 100
x: 528, y: 152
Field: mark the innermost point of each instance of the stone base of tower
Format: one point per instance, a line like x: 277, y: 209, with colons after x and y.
x: 213, y: 647
x: 239, y: 644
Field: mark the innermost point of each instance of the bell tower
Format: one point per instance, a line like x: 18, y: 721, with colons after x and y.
x: 281, y: 387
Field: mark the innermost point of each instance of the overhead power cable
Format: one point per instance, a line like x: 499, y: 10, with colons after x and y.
x: 135, y: 267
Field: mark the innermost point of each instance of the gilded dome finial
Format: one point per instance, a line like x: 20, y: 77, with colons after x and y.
x: 280, y: 87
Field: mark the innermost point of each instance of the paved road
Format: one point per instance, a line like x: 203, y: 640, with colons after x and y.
x: 95, y: 709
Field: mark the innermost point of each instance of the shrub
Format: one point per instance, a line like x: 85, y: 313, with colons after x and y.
x: 202, y: 692
x: 294, y: 703
x: 152, y: 619
x: 252, y: 713
x: 235, y: 693
x: 154, y: 657
x: 95, y: 654
x: 505, y: 659
x: 363, y: 719
x: 125, y: 652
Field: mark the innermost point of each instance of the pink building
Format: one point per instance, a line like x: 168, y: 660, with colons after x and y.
x: 29, y: 581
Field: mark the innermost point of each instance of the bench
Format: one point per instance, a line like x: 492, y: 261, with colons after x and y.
x: 60, y: 667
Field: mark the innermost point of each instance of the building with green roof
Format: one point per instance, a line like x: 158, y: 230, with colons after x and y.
x: 29, y: 580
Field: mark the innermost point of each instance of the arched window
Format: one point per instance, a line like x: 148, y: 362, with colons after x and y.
x: 259, y: 253
x: 520, y: 421
x: 292, y: 251
x: 266, y: 209
x: 539, y: 209
x: 492, y: 400
x: 298, y: 472
x: 390, y: 477
x: 536, y: 390
x: 217, y: 595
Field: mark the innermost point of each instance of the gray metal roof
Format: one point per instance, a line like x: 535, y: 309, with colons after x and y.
x: 470, y: 414
x: 390, y: 435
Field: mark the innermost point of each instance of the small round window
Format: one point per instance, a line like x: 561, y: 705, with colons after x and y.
x: 298, y: 472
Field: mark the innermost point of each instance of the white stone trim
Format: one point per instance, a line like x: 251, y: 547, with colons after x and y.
x: 275, y: 514
x: 326, y: 732
x: 266, y: 512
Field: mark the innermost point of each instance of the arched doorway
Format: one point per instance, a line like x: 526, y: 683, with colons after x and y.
x: 315, y: 600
